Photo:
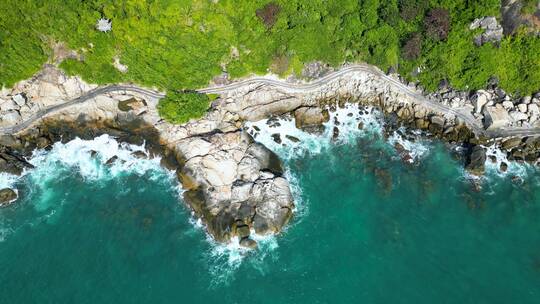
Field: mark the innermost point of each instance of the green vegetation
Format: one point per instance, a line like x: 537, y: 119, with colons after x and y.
x: 530, y: 6
x: 180, y: 107
x: 182, y: 44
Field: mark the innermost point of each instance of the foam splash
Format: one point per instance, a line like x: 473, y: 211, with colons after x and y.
x: 100, y: 158
x: 416, y: 149
x: 296, y: 143
x: 225, y: 259
x: 514, y: 168
x: 7, y: 180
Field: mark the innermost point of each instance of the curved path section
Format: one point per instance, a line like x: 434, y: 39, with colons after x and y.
x: 464, y: 115
x: 81, y: 99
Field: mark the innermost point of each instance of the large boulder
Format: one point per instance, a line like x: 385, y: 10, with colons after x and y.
x: 496, y: 117
x: 482, y: 98
x: 310, y: 118
x: 476, y: 160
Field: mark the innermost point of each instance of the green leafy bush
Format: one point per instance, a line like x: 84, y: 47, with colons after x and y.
x: 180, y: 107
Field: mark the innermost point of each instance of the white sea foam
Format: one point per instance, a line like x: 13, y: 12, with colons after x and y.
x: 416, y: 149
x: 514, y: 168
x: 7, y: 180
x: 346, y: 119
x: 225, y: 259
x: 90, y: 158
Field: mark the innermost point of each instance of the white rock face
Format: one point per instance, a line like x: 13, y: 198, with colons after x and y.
x: 508, y: 105
x: 522, y: 108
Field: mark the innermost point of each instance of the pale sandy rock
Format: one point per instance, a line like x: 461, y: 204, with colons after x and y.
x: 9, y: 105
x: 309, y: 116
x: 496, y: 117
x: 19, y: 99
x: 241, y: 192
x: 195, y: 147
x: 220, y: 169
x: 533, y: 108
x: 10, y: 118
x: 508, y: 105
x: 480, y: 101
x: 522, y: 107
x: 518, y: 116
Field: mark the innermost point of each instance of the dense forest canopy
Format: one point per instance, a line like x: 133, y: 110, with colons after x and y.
x: 179, y: 44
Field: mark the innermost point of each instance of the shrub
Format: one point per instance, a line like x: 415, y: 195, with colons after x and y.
x: 180, y: 107
x: 437, y: 24
x: 413, y: 47
x: 268, y: 14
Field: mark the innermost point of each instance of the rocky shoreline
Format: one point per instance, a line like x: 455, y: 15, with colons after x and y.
x: 231, y: 182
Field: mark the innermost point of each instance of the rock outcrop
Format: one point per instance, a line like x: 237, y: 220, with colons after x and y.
x: 7, y: 196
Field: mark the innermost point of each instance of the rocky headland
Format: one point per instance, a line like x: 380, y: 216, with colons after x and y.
x: 231, y: 182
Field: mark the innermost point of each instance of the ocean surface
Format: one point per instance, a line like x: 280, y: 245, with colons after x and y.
x: 371, y: 226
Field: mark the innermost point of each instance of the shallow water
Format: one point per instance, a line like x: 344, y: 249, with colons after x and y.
x: 368, y: 228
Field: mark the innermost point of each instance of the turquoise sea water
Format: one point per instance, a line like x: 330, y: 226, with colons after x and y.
x: 369, y: 229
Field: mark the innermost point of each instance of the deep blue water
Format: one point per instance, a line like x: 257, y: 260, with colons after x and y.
x: 369, y: 229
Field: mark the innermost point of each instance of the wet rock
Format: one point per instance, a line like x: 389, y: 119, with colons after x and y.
x: 476, y: 161
x: 511, y: 143
x: 111, y: 161
x: 276, y: 137
x: 221, y: 225
x: 9, y: 141
x: 292, y: 138
x: 242, y: 231
x: 7, y: 196
x: 503, y: 167
x: 335, y: 133
x: 248, y: 243
x: 139, y: 154
x: 13, y: 163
